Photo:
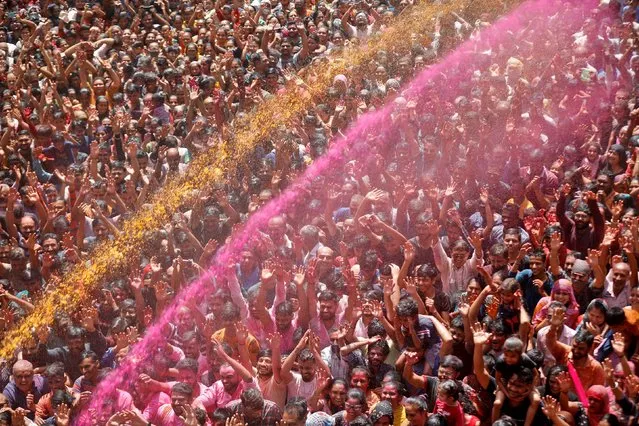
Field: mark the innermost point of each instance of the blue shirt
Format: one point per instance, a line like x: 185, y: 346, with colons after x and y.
x: 530, y: 292
x: 17, y: 398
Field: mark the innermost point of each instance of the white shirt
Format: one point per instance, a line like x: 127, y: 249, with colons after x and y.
x: 298, y: 387
x: 566, y: 336
x: 622, y: 299
x: 454, y: 280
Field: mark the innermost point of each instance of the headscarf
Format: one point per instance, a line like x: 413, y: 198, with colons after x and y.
x: 601, y: 393
x: 383, y: 408
x: 572, y: 310
x: 320, y: 418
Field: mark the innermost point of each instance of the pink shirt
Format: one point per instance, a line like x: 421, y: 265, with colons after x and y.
x: 123, y: 402
x: 318, y: 327
x: 154, y: 403
x: 216, y: 396
x: 167, y: 417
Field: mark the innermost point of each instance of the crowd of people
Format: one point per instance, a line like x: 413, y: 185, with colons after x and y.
x: 480, y: 267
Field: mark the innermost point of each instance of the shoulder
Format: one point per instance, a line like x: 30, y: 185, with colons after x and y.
x: 524, y: 275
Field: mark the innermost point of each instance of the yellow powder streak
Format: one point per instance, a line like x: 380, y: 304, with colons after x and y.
x: 112, y: 257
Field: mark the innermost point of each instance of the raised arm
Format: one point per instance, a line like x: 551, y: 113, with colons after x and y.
x: 286, y: 374
x: 246, y: 375
x: 444, y: 334
x: 409, y: 375
x: 480, y: 339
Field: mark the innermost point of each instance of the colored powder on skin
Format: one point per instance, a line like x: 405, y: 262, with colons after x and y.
x: 356, y: 144
x: 114, y: 258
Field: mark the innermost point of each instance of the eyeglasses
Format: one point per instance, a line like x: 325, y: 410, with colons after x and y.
x: 353, y: 407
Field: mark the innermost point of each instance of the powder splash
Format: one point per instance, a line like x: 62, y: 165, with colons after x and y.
x: 354, y: 145
x: 112, y: 258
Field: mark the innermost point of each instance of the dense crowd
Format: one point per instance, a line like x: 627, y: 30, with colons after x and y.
x: 480, y: 268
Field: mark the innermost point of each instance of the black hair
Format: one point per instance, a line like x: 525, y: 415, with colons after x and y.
x: 407, y: 308
x: 182, y: 388
x: 375, y: 328
x: 615, y: 316
x: 382, y: 344
x: 451, y: 361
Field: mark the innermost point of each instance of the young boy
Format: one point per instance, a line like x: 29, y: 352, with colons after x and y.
x: 510, y: 362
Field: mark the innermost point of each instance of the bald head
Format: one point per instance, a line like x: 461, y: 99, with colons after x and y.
x: 22, y: 365
x: 23, y: 375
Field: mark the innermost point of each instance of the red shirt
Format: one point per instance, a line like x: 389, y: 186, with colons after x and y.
x: 453, y: 413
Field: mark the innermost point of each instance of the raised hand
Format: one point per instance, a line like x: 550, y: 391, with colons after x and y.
x: 235, y: 420
x: 409, y: 251
x: 411, y: 287
x: 555, y: 241
x: 564, y: 381
x: 557, y: 318
x: 480, y: 335
x: 377, y: 310
x: 412, y: 358
x: 156, y: 267
x: 632, y: 386
x: 550, y: 407
x: 161, y: 291
x: 464, y: 308
x: 476, y: 240
x: 322, y: 379
x: 274, y: 340
x: 524, y: 250
x: 241, y: 332
x: 62, y: 417
x: 483, y: 195
x: 268, y: 273
x: 619, y: 344
x: 451, y: 189
x: 375, y: 195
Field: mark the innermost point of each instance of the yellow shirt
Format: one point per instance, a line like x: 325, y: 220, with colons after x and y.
x: 399, y: 416
x: 522, y: 207
x: 251, y: 343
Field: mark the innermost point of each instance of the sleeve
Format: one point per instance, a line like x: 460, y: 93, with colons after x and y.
x: 50, y: 355
x: 77, y: 385
x: 43, y: 407
x: 565, y: 222
x: 280, y: 296
x: 119, y: 149
x: 207, y: 400
x: 627, y: 406
x: 442, y: 262
x: 523, y: 276
x: 473, y: 262
x: 108, y: 358
x: 237, y: 298
x: 43, y: 175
